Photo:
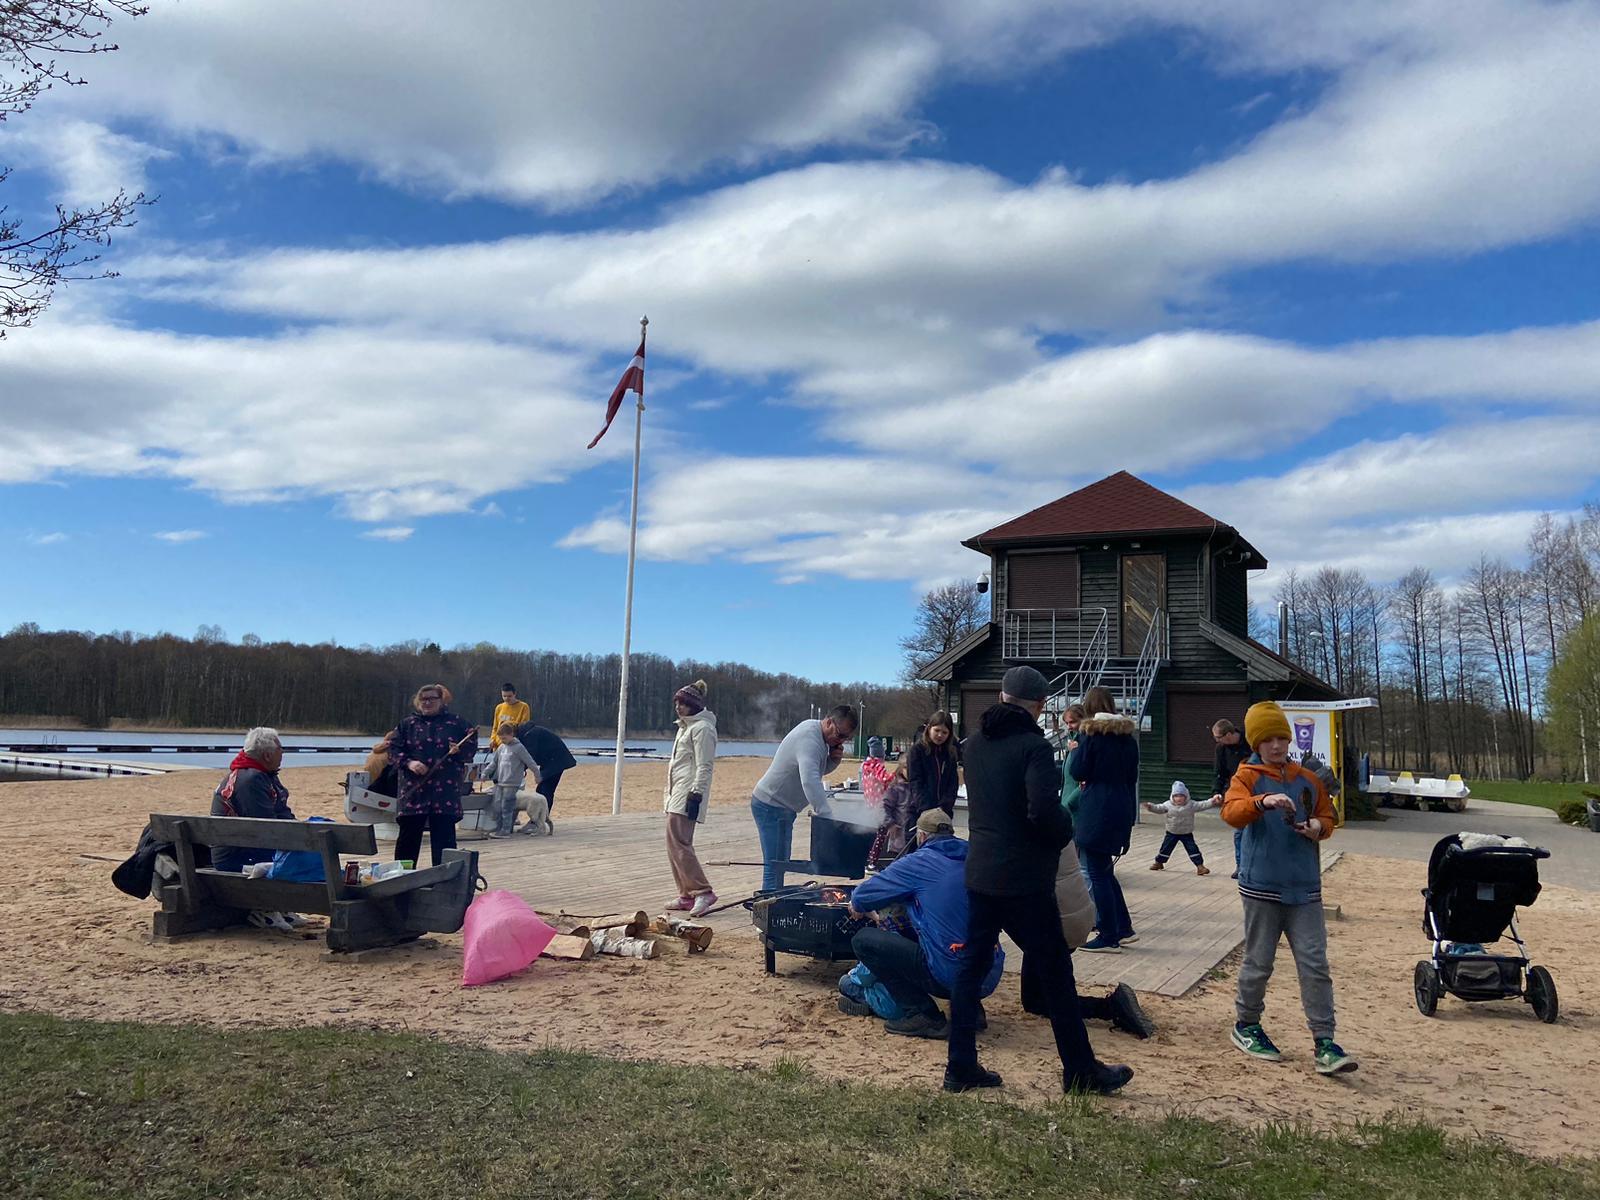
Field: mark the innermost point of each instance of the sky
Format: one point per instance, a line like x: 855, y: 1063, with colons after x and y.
x: 1326, y: 271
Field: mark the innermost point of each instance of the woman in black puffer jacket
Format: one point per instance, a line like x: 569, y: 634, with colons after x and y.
x: 1106, y: 763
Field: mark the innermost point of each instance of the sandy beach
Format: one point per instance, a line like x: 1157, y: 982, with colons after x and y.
x: 71, y: 945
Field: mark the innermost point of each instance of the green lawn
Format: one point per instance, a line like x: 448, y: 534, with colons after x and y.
x: 1543, y: 795
x: 162, y: 1113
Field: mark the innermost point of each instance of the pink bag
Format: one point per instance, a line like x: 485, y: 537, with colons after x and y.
x: 502, y: 935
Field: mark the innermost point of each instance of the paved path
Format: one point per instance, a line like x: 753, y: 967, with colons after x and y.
x: 1574, y: 853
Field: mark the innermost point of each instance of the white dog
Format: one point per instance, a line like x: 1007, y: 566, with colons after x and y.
x: 538, y: 810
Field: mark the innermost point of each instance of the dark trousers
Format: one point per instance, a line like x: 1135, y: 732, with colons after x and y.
x: 441, y: 828
x: 1110, y: 909
x: 548, y: 783
x: 898, y: 963
x: 1036, y: 996
x: 1034, y: 923
x: 1188, y: 843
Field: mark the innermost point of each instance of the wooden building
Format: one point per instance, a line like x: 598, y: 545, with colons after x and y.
x: 1123, y: 585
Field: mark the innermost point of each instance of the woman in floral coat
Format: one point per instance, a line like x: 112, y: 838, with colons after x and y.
x: 432, y: 748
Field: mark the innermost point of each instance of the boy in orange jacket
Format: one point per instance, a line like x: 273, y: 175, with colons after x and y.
x: 1284, y: 812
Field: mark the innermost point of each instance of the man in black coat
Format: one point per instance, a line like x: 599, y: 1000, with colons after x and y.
x: 1016, y: 829
x: 1231, y: 751
x: 551, y: 756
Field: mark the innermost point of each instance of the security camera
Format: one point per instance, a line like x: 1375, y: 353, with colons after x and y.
x: 983, y: 583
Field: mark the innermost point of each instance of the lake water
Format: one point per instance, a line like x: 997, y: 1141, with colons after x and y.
x: 64, y: 742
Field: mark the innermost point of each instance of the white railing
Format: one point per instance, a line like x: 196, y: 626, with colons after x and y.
x: 1054, y: 634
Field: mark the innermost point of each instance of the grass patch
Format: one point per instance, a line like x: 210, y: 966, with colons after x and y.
x: 1533, y: 792
x: 174, y: 1113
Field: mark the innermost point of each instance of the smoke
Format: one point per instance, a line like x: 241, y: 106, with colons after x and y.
x: 768, y: 716
x: 858, y: 814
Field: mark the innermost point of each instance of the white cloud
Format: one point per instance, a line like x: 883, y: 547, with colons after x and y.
x: 88, y: 161
x: 46, y: 539
x: 862, y: 518
x: 179, y: 536
x: 554, y: 102
x: 390, y: 533
x: 387, y: 423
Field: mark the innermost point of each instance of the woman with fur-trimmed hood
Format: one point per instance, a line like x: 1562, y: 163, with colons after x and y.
x: 1106, y: 763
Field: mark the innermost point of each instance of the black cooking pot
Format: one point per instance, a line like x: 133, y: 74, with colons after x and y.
x: 839, y: 849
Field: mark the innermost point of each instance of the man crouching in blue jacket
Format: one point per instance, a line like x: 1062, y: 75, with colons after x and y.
x: 931, y: 882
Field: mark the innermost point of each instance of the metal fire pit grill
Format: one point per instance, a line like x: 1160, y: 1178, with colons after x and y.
x: 811, y: 920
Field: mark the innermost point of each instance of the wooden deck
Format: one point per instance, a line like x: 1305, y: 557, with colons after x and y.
x: 1187, y: 924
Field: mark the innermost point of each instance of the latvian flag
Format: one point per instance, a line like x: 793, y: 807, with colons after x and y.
x: 632, y: 381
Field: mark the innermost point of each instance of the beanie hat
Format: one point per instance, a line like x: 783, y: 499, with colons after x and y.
x: 1024, y: 683
x: 692, y: 697
x: 1264, y: 720
x: 1178, y: 786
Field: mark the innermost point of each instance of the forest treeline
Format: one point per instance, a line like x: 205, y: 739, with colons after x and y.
x: 1496, y: 676
x: 210, y: 682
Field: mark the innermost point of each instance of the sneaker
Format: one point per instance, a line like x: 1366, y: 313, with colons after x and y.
x: 681, y: 904
x: 703, y: 902
x: 970, y: 1078
x: 1158, y: 865
x: 1201, y: 869
x: 1126, y: 1014
x: 1103, y: 1079
x: 1130, y: 938
x: 1253, y: 1040
x: 854, y: 1008
x: 1331, y: 1060
x: 1101, y: 945
x: 494, y: 835
x: 921, y: 1025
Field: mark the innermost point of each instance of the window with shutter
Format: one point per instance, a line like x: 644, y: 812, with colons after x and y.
x: 1190, y: 716
x: 974, y: 702
x: 1042, y: 581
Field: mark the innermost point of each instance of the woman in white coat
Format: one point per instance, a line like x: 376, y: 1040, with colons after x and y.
x: 688, y: 792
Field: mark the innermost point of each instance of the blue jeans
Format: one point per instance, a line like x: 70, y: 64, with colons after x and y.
x: 1238, y: 845
x: 775, y: 828
x: 1110, y: 909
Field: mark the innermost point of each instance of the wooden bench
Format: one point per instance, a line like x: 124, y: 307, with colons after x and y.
x: 360, y: 916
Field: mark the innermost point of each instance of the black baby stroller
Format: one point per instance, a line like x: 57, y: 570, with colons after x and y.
x: 1470, y: 902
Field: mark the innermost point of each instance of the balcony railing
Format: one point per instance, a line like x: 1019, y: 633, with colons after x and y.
x: 1053, y: 634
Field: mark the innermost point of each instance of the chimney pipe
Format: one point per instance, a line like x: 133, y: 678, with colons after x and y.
x: 1283, y: 629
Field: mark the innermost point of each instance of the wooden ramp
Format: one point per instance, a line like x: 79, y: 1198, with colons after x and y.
x: 1187, y: 924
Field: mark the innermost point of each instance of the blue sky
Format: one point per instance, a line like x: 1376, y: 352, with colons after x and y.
x: 1328, y: 274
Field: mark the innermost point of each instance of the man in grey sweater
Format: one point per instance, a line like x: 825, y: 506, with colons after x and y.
x: 794, y: 780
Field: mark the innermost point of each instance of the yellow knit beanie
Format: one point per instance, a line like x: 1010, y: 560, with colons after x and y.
x: 1264, y: 720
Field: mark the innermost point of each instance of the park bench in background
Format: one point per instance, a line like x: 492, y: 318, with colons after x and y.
x: 360, y: 916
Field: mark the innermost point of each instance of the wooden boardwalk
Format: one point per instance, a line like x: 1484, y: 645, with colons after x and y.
x: 1187, y: 924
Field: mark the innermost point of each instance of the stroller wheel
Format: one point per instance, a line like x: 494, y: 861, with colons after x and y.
x: 1541, y: 994
x: 1425, y: 984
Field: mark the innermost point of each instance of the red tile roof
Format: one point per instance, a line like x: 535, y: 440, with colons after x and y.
x: 1118, y: 504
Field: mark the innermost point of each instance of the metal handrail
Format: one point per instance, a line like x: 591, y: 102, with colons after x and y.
x: 1052, y: 634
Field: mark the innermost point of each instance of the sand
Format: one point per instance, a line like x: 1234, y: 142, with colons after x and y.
x: 72, y: 946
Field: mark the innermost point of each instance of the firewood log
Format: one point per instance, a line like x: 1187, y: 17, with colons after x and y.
x: 634, y: 924
x: 569, y: 947
x: 615, y: 941
x: 697, y: 935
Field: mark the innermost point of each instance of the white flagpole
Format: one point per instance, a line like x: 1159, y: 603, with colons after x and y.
x: 627, y: 619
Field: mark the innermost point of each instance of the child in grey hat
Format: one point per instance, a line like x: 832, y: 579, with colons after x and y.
x: 1180, y: 809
